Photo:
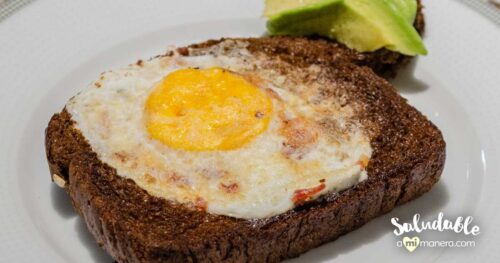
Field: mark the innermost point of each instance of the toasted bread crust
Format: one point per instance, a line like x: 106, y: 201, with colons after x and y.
x: 133, y: 226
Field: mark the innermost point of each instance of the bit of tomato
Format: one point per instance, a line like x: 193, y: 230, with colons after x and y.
x: 363, y: 161
x: 201, y: 204
x: 230, y: 188
x: 302, y: 195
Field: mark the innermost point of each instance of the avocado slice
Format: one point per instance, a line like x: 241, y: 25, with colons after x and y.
x: 273, y: 7
x: 407, y: 8
x: 364, y: 25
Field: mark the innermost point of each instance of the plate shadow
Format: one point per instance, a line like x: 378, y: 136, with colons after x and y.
x: 97, y: 253
x: 406, y: 82
x: 61, y: 202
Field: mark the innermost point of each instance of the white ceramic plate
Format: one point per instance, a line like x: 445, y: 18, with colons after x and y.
x: 52, y: 49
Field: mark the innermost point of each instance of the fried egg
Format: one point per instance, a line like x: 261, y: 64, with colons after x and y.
x: 224, y: 133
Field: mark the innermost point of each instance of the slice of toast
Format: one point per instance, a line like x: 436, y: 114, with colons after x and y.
x: 134, y: 226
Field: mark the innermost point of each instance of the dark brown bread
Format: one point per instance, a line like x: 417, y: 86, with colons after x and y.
x: 133, y: 226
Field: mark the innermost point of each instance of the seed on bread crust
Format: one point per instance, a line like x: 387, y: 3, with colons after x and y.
x: 58, y: 180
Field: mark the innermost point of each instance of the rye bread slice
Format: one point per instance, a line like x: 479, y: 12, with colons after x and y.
x: 133, y: 226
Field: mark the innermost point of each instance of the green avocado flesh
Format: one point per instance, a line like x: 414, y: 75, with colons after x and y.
x: 364, y: 25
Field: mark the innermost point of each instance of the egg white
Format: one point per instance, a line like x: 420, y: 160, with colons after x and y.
x: 255, y: 181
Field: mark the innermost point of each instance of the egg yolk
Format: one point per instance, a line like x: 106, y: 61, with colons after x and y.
x: 205, y: 110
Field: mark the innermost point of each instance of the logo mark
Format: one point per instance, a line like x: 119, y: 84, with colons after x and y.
x: 460, y: 226
x: 411, y: 243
